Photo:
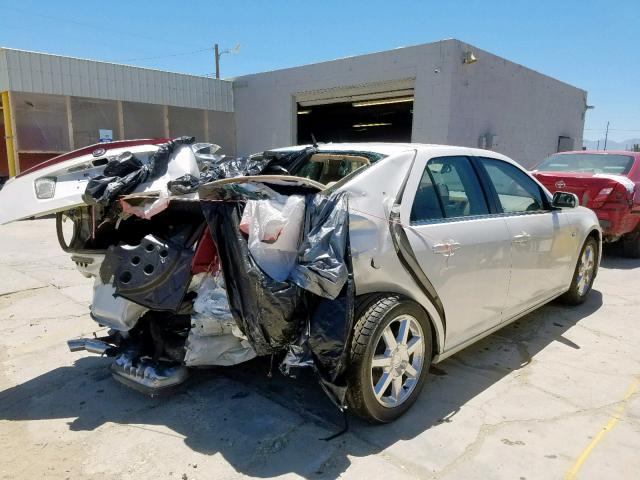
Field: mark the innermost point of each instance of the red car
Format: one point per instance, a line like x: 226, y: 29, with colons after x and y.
x: 607, y: 182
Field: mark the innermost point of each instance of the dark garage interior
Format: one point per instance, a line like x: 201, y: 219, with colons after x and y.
x: 380, y: 120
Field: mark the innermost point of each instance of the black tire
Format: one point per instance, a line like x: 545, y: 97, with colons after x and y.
x: 574, y: 296
x: 378, y: 313
x: 631, y: 244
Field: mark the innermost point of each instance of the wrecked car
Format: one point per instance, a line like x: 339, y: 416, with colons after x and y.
x: 366, y: 263
x: 606, y: 181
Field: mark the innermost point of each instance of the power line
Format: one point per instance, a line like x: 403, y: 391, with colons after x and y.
x: 613, y: 129
x: 208, y: 49
x: 95, y: 27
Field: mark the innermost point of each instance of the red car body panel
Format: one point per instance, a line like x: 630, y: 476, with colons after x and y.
x: 617, y: 208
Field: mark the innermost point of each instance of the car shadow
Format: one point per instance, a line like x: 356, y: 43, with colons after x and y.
x: 612, y: 257
x: 254, y: 421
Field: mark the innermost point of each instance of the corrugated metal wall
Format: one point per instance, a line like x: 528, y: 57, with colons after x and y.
x: 22, y: 71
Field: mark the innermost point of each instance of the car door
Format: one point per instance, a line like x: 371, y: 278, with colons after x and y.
x: 463, y: 249
x: 541, y: 243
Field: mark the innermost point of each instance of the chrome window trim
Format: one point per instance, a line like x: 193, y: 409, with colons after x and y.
x: 418, y: 223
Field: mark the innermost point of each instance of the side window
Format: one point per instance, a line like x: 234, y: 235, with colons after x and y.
x: 448, y: 188
x: 516, y: 191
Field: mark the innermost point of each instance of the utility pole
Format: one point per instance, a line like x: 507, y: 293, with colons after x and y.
x: 217, y: 54
x: 606, y: 136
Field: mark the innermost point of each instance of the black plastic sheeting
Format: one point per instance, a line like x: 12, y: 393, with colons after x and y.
x: 125, y: 172
x: 267, y: 311
x: 311, y: 313
x: 270, y: 162
x: 324, y: 344
x: 321, y: 266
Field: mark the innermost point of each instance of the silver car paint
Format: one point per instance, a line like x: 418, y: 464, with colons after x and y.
x: 377, y: 268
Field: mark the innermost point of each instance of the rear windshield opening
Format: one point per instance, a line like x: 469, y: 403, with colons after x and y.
x: 587, y: 163
x: 329, y: 168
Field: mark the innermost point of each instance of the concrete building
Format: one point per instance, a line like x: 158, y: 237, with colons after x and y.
x: 444, y: 92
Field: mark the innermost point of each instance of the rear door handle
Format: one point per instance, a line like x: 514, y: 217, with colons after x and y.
x: 446, y: 248
x: 521, y: 238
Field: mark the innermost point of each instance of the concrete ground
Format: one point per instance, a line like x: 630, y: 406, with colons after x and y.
x: 553, y: 395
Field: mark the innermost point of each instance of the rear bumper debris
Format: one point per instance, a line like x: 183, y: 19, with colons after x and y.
x: 146, y: 376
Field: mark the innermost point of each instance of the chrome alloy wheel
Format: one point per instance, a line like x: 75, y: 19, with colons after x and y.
x: 586, y: 269
x: 397, y: 361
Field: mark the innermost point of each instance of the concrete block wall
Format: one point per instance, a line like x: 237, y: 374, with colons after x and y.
x: 525, y: 110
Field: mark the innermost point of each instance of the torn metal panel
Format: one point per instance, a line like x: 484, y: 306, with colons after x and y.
x: 113, y: 311
x: 154, y: 273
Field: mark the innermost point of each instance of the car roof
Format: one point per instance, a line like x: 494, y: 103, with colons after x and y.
x: 628, y: 153
x: 393, y: 148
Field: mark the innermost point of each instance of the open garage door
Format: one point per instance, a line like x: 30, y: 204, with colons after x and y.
x: 381, y: 112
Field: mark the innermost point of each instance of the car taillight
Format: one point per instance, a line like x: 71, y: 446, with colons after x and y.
x: 602, y: 196
x: 617, y: 194
x: 45, y: 187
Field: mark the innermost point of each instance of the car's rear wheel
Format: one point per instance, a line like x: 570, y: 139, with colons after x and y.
x: 631, y: 244
x: 390, y: 357
x: 584, y: 274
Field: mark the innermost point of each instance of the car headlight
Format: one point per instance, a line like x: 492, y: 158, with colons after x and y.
x: 45, y: 187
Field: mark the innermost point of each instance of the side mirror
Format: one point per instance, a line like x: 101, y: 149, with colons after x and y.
x: 565, y: 200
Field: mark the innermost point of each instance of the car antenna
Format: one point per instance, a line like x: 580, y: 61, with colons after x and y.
x: 314, y: 141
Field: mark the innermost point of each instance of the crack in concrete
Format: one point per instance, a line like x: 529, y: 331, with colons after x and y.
x: 24, y: 290
x: 487, y: 429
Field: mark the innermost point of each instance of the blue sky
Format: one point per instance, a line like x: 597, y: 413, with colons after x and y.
x: 593, y: 45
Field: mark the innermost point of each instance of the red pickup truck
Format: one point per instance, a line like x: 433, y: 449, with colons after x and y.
x: 608, y: 182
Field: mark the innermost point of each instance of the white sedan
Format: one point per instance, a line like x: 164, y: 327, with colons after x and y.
x: 450, y: 244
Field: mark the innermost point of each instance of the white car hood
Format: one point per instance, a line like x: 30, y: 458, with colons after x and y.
x: 18, y: 197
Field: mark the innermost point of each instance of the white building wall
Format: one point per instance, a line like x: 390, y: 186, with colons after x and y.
x: 525, y: 110
x: 265, y: 102
x: 454, y: 104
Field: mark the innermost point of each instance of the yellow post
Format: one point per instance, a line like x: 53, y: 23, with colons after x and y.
x: 8, y: 133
